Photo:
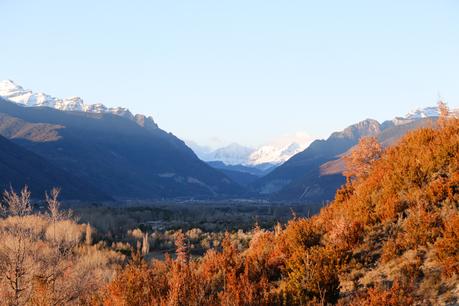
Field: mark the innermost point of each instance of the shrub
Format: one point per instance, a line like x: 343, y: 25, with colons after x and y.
x: 446, y: 248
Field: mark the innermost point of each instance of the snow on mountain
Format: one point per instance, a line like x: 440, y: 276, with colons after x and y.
x: 281, y: 149
x: 13, y: 92
x: 203, y: 152
x: 233, y: 154
x: 273, y: 153
x: 426, y: 112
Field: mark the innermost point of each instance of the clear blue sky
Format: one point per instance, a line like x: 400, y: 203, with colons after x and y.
x: 244, y: 71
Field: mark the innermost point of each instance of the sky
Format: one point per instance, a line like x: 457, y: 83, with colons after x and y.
x: 218, y: 72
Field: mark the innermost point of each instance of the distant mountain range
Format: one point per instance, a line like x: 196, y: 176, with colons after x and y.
x: 233, y: 154
x: 95, y: 153
x: 312, y: 173
x: 16, y: 93
x: 315, y: 174
x: 272, y: 154
x: 110, y: 155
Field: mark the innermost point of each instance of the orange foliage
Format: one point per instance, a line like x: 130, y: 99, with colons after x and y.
x: 397, y: 295
x: 420, y: 228
x: 361, y: 158
x: 447, y: 247
x: 313, y: 275
x: 399, y: 200
x: 136, y: 284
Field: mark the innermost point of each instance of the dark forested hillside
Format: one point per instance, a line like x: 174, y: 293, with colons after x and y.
x: 120, y: 157
x: 20, y: 167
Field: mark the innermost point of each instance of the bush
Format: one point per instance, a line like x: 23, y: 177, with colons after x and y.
x: 447, y: 247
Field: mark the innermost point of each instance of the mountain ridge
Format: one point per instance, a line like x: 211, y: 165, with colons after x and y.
x: 16, y: 93
x: 315, y: 174
x: 113, y: 153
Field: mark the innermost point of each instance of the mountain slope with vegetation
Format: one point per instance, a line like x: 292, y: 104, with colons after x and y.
x: 299, y: 178
x: 314, y: 175
x: 390, y: 237
x: 119, y: 156
x: 20, y: 167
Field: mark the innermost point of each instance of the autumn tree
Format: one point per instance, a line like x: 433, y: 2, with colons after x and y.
x: 145, y: 244
x: 181, y: 247
x: 88, y: 234
x: 444, y: 112
x: 359, y: 160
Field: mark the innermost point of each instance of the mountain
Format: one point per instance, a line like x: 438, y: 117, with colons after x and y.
x: 13, y: 92
x: 243, y: 175
x: 427, y: 112
x: 203, y: 152
x: 266, y: 156
x: 121, y: 157
x: 305, y: 166
x: 280, y: 150
x: 20, y: 167
x: 240, y: 168
x: 315, y: 174
x: 233, y: 154
x: 423, y: 113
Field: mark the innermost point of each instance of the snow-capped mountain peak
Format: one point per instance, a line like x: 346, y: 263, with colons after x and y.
x: 426, y: 112
x: 276, y: 152
x: 233, y: 154
x: 16, y: 93
x: 281, y: 149
x: 9, y: 86
x: 422, y: 113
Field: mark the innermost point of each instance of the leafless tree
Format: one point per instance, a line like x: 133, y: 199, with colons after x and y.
x: 17, y: 204
x: 54, y: 204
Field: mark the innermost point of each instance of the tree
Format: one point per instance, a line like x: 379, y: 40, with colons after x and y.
x: 17, y: 204
x: 181, y: 248
x: 145, y: 245
x: 88, y: 234
x: 444, y: 113
x: 41, y: 258
x: 54, y: 204
x: 16, y: 263
x: 359, y: 160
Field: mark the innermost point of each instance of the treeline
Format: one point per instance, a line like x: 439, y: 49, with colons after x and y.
x: 390, y: 237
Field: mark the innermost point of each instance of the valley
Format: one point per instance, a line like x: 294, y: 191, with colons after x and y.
x: 118, y: 156
x: 229, y: 153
